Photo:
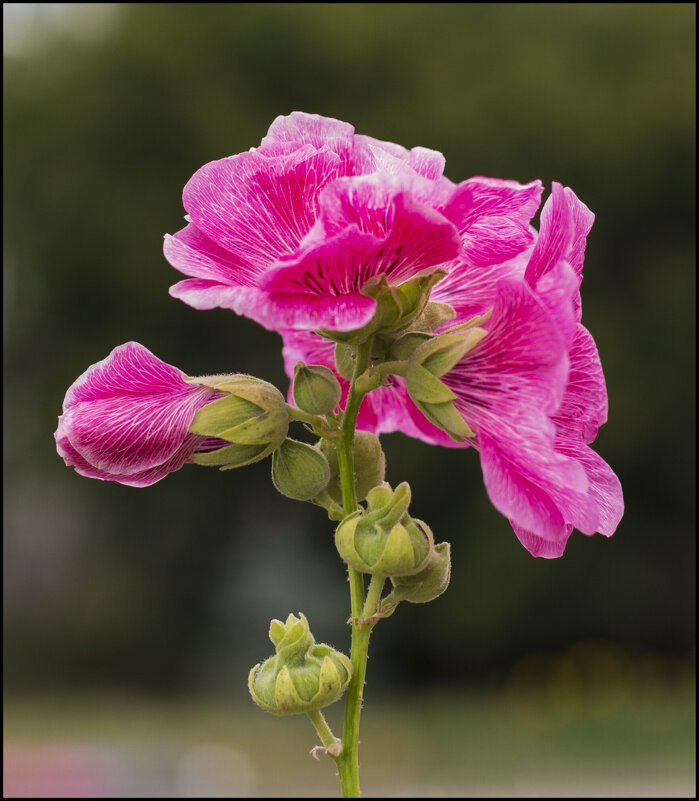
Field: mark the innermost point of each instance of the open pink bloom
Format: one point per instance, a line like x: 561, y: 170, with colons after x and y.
x: 289, y: 233
x: 538, y: 467
x: 126, y: 419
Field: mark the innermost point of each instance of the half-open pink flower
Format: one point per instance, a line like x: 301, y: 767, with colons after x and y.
x: 289, y: 233
x: 126, y: 419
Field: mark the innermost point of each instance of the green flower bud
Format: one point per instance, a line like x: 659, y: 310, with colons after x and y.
x: 427, y: 364
x: 316, y: 390
x: 302, y: 675
x: 252, y: 416
x: 426, y: 585
x: 369, y: 465
x: 299, y: 471
x: 384, y: 539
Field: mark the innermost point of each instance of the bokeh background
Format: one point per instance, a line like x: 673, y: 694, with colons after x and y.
x: 133, y: 615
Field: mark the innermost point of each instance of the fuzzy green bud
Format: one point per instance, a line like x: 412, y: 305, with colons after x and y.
x: 299, y: 471
x: 252, y: 416
x: 303, y: 675
x: 369, y: 465
x: 426, y: 585
x: 315, y: 388
x: 384, y: 539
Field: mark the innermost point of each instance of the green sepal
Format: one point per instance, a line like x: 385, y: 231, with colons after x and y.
x: 434, y: 316
x: 424, y: 386
x: 222, y: 415
x: 426, y: 585
x: 299, y: 470
x: 404, y: 347
x: 446, y: 417
x: 344, y: 360
x: 231, y: 456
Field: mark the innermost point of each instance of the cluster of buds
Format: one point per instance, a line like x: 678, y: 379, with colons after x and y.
x: 302, y: 675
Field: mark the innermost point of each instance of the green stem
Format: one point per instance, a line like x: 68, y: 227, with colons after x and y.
x: 373, y: 595
x: 348, y: 761
x: 321, y: 726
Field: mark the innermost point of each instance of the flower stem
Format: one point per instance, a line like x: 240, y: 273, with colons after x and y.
x: 348, y: 761
x: 321, y: 726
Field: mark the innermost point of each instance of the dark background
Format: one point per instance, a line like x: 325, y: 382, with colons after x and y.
x: 170, y: 589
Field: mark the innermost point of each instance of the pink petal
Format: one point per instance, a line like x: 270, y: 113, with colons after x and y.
x: 197, y: 256
x: 538, y: 546
x: 130, y: 412
x: 515, y: 495
x: 493, y: 218
x: 584, y: 406
x: 301, y: 129
x: 471, y: 289
x: 373, y: 155
x: 565, y: 224
x: 259, y: 208
x: 604, y: 486
x: 143, y: 478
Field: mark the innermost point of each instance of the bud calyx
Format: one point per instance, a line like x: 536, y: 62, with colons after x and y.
x: 252, y: 416
x: 303, y: 675
x: 384, y: 539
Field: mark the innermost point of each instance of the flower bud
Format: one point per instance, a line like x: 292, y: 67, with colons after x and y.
x: 302, y: 675
x: 428, y: 363
x: 384, y: 539
x: 299, y: 471
x: 316, y: 390
x: 368, y: 460
x: 426, y: 585
x: 252, y: 416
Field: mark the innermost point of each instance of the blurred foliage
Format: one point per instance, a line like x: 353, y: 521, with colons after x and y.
x: 173, y: 587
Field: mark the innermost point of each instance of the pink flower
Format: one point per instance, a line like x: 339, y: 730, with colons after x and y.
x: 126, y: 419
x: 289, y: 233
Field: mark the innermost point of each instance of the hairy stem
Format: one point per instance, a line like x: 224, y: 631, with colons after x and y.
x: 321, y: 726
x: 348, y: 761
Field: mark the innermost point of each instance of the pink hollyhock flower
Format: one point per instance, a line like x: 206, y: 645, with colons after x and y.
x: 288, y: 233
x: 538, y: 468
x: 126, y: 419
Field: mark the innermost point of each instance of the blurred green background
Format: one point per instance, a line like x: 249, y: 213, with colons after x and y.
x: 136, y: 613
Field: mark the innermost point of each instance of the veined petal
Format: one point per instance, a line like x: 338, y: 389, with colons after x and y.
x: 515, y: 495
x: 565, y: 224
x: 144, y: 478
x: 470, y: 289
x: 373, y: 155
x: 538, y: 546
x: 604, y: 486
x: 493, y: 218
x: 130, y: 412
x: 299, y: 128
x: 259, y: 208
x: 191, y: 252
x: 583, y: 408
